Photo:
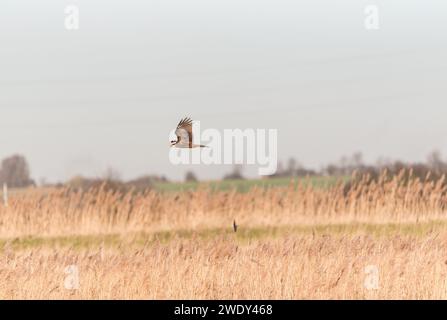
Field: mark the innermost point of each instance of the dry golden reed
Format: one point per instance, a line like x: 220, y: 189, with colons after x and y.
x: 321, y: 267
x: 44, y: 231
x: 63, y: 212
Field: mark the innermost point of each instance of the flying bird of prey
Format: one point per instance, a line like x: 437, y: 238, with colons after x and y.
x: 184, y: 135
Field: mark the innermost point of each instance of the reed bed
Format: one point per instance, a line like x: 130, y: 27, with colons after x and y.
x: 98, y: 211
x: 112, y: 240
x: 323, y: 267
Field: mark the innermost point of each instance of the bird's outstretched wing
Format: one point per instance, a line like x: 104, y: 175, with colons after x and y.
x: 184, y: 132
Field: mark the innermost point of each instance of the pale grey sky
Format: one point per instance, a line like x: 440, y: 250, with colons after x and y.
x: 108, y: 94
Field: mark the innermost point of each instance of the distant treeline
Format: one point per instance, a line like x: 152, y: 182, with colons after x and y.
x: 109, y: 183
x: 432, y: 169
x: 14, y: 171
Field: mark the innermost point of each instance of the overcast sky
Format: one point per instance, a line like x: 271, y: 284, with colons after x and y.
x: 108, y: 94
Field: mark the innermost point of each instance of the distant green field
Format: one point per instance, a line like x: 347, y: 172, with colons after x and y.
x: 224, y: 185
x: 246, y: 185
x: 140, y: 239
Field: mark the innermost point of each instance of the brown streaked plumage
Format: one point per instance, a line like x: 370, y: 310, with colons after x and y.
x: 184, y: 135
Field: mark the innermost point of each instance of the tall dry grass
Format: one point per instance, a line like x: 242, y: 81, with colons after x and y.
x: 321, y: 267
x: 65, y: 212
x: 286, y: 265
